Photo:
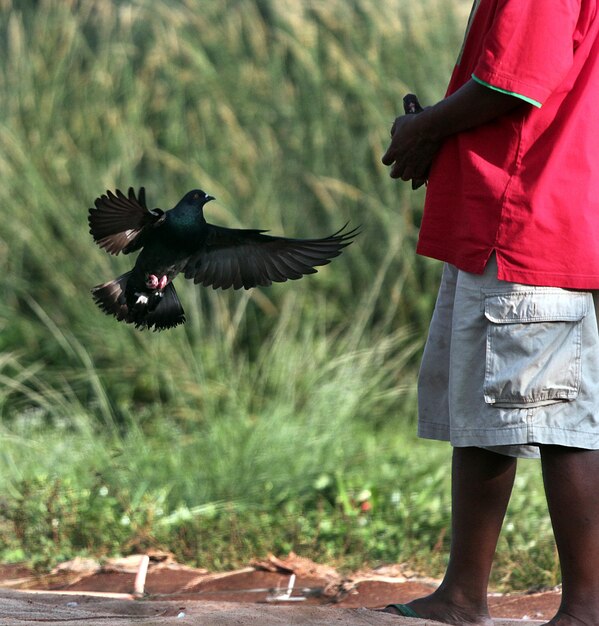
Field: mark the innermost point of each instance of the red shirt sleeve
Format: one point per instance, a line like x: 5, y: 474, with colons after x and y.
x: 530, y: 48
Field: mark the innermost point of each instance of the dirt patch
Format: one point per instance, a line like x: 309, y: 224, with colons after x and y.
x: 19, y: 608
x: 291, y: 582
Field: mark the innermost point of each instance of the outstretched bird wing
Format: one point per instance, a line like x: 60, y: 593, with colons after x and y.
x: 118, y: 220
x: 247, y: 258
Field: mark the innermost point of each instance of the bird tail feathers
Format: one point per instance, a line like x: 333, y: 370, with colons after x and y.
x: 168, y: 314
x: 158, y: 312
x: 110, y: 297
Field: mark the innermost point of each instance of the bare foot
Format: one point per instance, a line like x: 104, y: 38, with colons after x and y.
x: 566, y: 619
x: 446, y: 612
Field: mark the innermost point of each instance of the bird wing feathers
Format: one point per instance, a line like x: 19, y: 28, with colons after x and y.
x: 248, y: 258
x: 118, y: 220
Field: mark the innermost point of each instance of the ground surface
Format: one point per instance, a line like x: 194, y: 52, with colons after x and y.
x: 82, y: 592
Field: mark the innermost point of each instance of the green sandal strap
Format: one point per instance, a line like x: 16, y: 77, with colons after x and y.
x: 403, y: 609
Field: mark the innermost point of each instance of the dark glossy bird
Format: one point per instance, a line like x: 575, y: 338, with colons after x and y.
x: 181, y: 241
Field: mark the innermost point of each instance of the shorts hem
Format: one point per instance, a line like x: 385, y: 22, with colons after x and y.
x: 525, y: 436
x: 430, y: 430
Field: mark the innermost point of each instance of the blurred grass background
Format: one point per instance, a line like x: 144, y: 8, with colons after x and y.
x: 278, y: 419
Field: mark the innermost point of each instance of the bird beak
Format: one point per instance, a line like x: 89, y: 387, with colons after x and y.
x: 208, y: 198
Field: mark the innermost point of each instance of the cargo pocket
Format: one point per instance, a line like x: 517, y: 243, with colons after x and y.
x: 533, y: 347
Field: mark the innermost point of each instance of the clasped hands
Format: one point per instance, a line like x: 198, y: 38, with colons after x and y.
x: 412, y: 148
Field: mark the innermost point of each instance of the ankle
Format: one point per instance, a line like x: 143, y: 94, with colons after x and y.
x: 467, y: 598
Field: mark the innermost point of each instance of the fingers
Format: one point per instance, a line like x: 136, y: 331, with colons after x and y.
x: 401, y: 139
x: 398, y: 161
x: 398, y: 170
x: 394, y: 158
x: 389, y: 156
x: 409, y: 166
x: 402, y: 170
x: 409, y: 154
x: 405, y: 154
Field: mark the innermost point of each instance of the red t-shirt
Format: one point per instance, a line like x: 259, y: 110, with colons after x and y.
x: 527, y: 184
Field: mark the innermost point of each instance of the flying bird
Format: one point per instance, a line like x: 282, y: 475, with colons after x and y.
x: 182, y: 241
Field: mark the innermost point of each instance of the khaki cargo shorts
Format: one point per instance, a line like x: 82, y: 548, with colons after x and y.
x: 509, y: 367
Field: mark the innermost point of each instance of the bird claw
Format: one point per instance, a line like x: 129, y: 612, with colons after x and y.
x: 157, y: 283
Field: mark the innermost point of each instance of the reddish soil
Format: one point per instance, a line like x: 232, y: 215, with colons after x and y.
x: 265, y: 582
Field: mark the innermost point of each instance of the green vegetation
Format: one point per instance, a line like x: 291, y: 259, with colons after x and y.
x: 274, y: 420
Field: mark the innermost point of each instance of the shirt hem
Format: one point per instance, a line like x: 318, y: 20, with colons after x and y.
x: 535, y: 277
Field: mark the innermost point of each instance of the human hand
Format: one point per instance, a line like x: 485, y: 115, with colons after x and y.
x: 411, y: 150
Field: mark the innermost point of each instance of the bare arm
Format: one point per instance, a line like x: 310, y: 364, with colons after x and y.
x: 415, y: 139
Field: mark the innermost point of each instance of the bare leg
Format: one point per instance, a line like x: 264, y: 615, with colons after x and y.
x: 482, y: 482
x: 571, y: 479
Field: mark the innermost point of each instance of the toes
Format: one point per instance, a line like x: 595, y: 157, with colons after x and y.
x: 157, y: 283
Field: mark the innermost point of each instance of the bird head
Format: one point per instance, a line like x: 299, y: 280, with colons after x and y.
x: 191, y: 206
x: 197, y: 198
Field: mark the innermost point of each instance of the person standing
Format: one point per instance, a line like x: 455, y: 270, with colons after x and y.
x: 511, y: 364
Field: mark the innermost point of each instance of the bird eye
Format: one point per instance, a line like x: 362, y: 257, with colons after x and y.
x: 196, y: 196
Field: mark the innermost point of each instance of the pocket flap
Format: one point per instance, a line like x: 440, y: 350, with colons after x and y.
x: 541, y: 306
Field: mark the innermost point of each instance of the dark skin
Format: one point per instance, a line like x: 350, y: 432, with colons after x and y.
x: 482, y: 480
x: 415, y: 139
x: 571, y: 477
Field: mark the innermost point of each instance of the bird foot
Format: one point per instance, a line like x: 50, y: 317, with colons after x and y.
x: 157, y: 283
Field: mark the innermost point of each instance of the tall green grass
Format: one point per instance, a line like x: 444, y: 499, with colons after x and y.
x: 271, y: 416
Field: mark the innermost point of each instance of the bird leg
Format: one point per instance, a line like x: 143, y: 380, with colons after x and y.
x: 157, y: 283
